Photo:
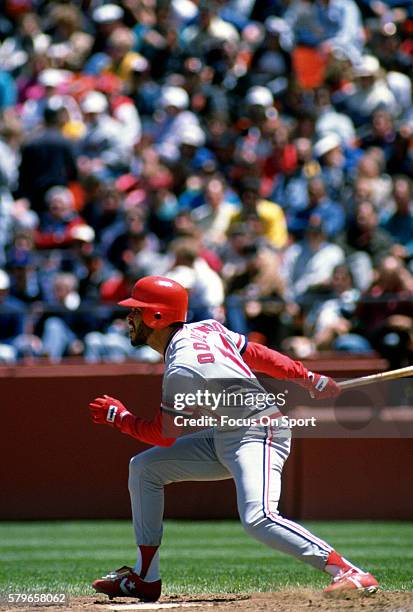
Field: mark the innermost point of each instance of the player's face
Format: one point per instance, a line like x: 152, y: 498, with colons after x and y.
x: 138, y: 331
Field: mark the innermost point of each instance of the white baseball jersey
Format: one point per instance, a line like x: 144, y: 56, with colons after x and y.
x: 206, y: 357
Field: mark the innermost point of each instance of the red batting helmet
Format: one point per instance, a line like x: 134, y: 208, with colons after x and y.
x: 163, y: 301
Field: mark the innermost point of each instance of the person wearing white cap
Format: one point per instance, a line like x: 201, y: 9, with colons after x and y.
x: 174, y: 97
x: 103, y: 142
x: 193, y: 136
x: 259, y: 96
x: 94, y: 103
x: 326, y: 144
x: 259, y: 103
x: 370, y: 92
x: 329, y: 121
x: 106, y: 17
x: 107, y: 13
x: 329, y: 152
x: 174, y: 121
x: 183, y: 11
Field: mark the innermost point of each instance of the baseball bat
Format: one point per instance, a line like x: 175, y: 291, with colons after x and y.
x: 372, y: 378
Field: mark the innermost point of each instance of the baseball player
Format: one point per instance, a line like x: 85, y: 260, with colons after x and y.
x: 253, y: 456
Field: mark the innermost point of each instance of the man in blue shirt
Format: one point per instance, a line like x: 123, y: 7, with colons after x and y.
x: 331, y: 214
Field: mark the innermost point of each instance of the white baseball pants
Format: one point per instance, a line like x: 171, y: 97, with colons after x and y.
x: 253, y: 457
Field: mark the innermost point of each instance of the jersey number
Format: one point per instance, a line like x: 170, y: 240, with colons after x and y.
x: 229, y: 352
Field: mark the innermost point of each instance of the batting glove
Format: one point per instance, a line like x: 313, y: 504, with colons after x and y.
x: 107, y: 411
x: 322, y: 387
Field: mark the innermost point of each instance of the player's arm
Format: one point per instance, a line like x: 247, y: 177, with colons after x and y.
x: 274, y: 364
x: 107, y: 410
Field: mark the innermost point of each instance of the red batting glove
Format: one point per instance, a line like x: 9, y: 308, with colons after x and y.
x: 322, y: 387
x: 107, y: 411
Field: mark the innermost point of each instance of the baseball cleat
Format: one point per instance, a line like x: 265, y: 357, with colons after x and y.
x: 123, y: 582
x: 353, y: 580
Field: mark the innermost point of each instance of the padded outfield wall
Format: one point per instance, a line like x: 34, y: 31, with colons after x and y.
x: 55, y: 464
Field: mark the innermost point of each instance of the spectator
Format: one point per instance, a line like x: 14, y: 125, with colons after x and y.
x: 335, y: 325
x: 122, y: 108
x: 309, y: 264
x: 141, y: 88
x: 62, y: 323
x: 102, y: 149
x: 24, y: 279
x: 193, y: 156
x: 370, y: 167
x: 135, y: 249
x: 107, y: 18
x: 11, y: 135
x: 282, y: 160
x: 209, y: 27
x: 59, y: 222
x: 159, y: 42
x: 121, y: 57
x: 319, y: 205
x: 175, y: 118
x: 291, y: 189
x: 46, y: 93
x: 95, y: 272
x: 381, y: 134
x: 8, y: 91
x: 205, y: 288
x: 255, y: 289
x: 364, y: 243
x: 263, y: 216
x: 46, y: 160
x: 329, y: 121
x: 400, y: 224
x: 214, y: 216
x: 386, y: 312
x: 272, y: 59
x: 334, y: 26
x: 103, y: 211
x: 334, y: 169
x: 370, y: 92
x: 113, y: 346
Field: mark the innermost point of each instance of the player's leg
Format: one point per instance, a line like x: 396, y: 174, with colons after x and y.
x: 256, y: 462
x: 192, y: 457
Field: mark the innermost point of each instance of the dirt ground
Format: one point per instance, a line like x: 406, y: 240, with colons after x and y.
x: 292, y: 600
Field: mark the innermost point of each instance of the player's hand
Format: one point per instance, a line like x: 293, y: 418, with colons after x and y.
x: 107, y: 410
x: 322, y: 387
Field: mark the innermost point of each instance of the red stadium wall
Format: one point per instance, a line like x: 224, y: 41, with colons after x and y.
x: 56, y: 464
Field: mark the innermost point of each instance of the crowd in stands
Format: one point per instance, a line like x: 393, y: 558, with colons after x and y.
x: 259, y: 153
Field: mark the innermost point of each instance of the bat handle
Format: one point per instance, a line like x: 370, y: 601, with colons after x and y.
x: 352, y: 383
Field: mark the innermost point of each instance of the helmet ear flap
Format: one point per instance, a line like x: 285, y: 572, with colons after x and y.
x: 152, y: 319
